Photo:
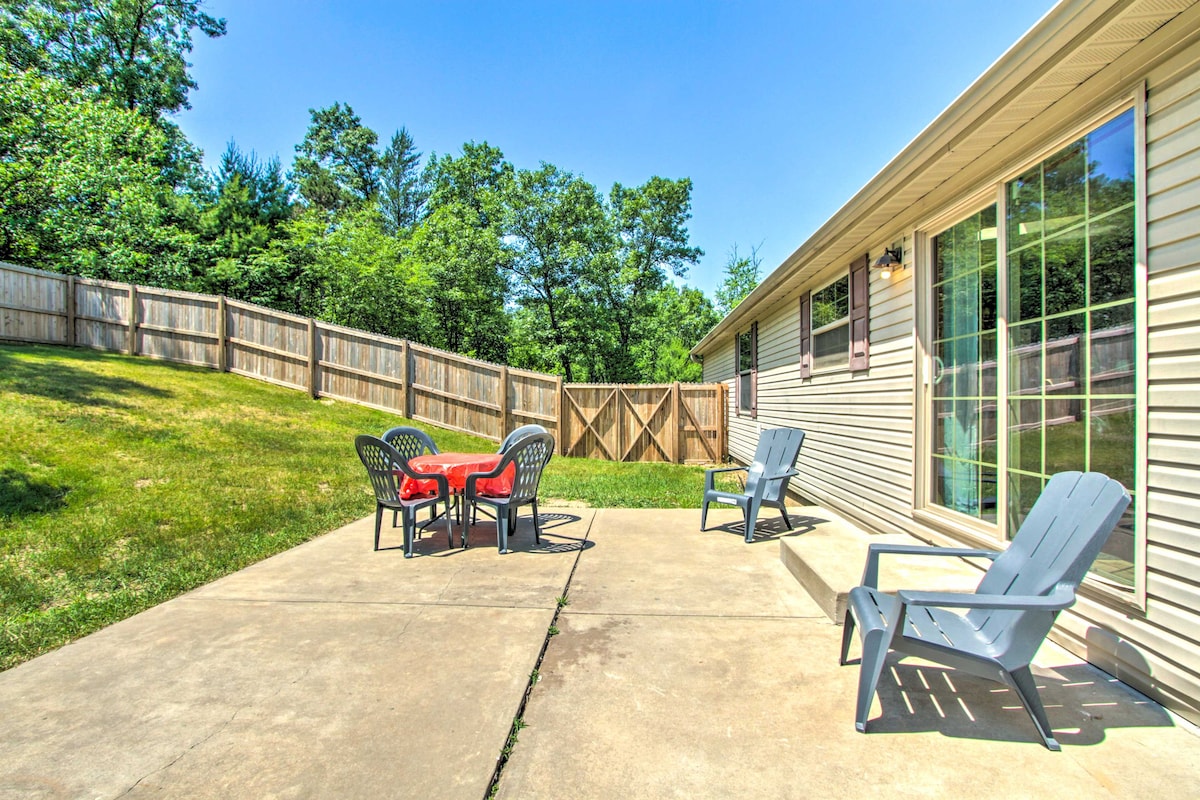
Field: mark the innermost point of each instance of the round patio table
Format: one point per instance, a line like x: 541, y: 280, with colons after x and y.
x: 456, y: 467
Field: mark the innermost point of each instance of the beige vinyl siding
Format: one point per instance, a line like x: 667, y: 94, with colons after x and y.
x: 857, y: 454
x: 720, y: 367
x: 1167, y: 642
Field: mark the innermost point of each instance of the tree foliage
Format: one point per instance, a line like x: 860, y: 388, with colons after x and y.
x: 532, y: 267
x: 402, y: 188
x: 741, y: 278
x: 337, y: 166
x: 132, y: 52
x: 81, y: 186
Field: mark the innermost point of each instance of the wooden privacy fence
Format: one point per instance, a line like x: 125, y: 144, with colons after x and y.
x: 682, y: 423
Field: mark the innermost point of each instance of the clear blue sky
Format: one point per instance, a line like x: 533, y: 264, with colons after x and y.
x: 778, y: 111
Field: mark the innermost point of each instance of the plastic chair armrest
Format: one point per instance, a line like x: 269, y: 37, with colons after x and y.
x: 709, y: 483
x: 1057, y: 600
x: 871, y: 571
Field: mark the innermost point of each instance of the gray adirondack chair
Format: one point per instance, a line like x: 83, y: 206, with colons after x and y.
x: 1013, y: 607
x: 386, y: 467
x: 766, y: 478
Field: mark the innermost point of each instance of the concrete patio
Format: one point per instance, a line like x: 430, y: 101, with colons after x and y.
x: 687, y: 664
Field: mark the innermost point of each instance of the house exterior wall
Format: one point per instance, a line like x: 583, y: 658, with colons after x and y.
x: 858, y: 451
x: 859, y: 457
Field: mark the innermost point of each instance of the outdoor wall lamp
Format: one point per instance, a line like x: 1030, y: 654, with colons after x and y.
x: 889, y: 262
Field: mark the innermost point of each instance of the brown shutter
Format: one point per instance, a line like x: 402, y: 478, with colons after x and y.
x: 806, y: 335
x: 754, y: 371
x: 860, y: 303
x: 737, y: 374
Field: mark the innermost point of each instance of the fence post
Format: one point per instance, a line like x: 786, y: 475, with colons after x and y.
x: 677, y: 417
x: 133, y: 314
x: 723, y: 417
x: 70, y: 308
x: 405, y: 379
x: 222, y: 335
x: 314, y: 388
x: 561, y: 414
x: 619, y: 416
x: 503, y: 401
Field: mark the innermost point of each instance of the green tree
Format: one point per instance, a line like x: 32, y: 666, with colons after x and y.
x: 82, y: 187
x: 464, y: 302
x: 681, y: 316
x: 649, y: 241
x: 365, y: 281
x: 336, y: 166
x: 268, y: 187
x: 131, y: 51
x: 402, y: 191
x: 460, y: 248
x: 252, y: 201
x: 479, y: 179
x: 556, y: 229
x: 741, y: 276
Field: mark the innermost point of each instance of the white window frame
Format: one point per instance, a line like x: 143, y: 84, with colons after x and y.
x: 814, y: 331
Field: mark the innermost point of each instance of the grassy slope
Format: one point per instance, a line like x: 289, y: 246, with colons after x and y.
x: 125, y: 482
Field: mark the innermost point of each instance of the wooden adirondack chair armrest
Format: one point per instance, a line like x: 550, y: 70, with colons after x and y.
x: 709, y: 485
x: 871, y: 571
x: 1057, y: 600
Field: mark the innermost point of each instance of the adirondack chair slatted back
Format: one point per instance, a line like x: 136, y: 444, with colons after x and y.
x: 381, y: 461
x: 530, y: 455
x: 777, y: 451
x: 1055, y: 546
x: 410, y: 442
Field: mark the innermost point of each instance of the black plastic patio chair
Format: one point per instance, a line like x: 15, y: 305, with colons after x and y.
x: 410, y: 442
x: 528, y: 457
x: 386, y: 468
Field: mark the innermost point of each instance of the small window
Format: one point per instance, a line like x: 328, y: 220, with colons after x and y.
x: 831, y: 325
x: 747, y: 371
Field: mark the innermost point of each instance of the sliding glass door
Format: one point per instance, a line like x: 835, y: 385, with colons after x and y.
x: 964, y: 465
x: 1072, y: 402
x: 1058, y: 331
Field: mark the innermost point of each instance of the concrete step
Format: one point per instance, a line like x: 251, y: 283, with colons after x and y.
x: 828, y: 562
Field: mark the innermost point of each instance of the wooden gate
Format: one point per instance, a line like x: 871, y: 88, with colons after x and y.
x: 679, y: 423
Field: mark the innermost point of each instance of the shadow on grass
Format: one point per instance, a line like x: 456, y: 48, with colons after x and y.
x: 21, y: 495
x: 59, y: 379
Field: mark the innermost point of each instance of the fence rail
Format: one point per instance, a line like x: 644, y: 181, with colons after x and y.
x: 681, y: 423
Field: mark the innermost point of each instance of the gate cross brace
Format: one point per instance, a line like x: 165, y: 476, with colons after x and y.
x: 588, y: 423
x: 701, y: 431
x: 646, y: 427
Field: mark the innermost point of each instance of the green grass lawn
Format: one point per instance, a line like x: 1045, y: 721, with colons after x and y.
x: 125, y: 482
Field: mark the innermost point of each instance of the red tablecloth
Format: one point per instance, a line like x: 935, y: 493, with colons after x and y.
x: 456, y: 467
